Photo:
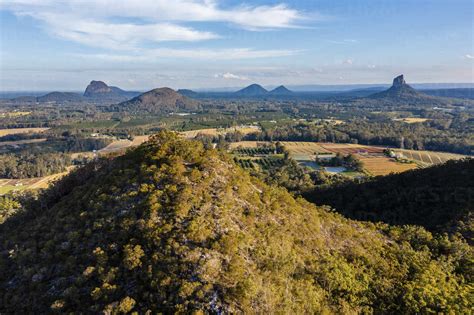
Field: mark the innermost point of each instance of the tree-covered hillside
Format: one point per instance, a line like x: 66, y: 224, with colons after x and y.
x: 440, y: 198
x: 173, y: 227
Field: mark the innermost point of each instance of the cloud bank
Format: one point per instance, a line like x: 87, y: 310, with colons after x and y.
x: 129, y: 25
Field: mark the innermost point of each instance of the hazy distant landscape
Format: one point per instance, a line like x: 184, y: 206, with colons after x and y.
x: 211, y: 157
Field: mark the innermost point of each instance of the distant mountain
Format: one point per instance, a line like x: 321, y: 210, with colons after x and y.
x: 334, y: 87
x: 59, y: 97
x: 52, y: 97
x: 351, y: 87
x: 252, y: 90
x: 402, y: 94
x: 364, y: 92
x: 188, y: 93
x: 24, y: 99
x: 158, y: 101
x: 281, y: 90
x: 466, y: 93
x: 95, y: 91
x: 346, y: 87
x: 98, y: 89
x: 439, y: 86
x: 399, y: 90
x: 17, y: 94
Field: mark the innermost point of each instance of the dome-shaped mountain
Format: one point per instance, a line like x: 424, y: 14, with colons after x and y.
x: 100, y: 90
x: 158, y: 101
x: 188, y: 93
x: 252, y: 90
x: 172, y: 227
x: 59, y: 97
x: 97, y: 87
x: 281, y: 90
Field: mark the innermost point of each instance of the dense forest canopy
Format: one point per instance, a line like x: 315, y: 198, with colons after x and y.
x: 32, y: 165
x: 439, y: 198
x: 174, y: 227
x: 49, y: 157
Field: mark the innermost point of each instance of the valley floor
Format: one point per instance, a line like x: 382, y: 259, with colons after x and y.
x: 375, y: 162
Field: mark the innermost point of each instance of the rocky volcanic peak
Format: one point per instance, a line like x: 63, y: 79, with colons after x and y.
x: 400, y: 90
x: 100, y: 91
x: 399, y: 81
x: 97, y: 87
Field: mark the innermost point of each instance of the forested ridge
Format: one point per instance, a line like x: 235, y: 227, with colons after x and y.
x: 439, y: 198
x: 173, y: 227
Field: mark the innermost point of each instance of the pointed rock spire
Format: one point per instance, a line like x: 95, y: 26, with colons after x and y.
x: 399, y: 81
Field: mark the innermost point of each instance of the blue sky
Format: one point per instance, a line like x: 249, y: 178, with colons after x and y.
x: 62, y: 45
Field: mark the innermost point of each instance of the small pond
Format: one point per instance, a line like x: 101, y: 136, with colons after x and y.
x: 335, y: 170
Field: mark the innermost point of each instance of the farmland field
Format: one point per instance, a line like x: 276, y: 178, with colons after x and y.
x: 298, y: 150
x: 219, y: 131
x: 373, y: 158
x: 19, y: 142
x: 246, y: 144
x: 334, y: 121
x: 14, y: 131
x: 428, y: 158
x: 118, y: 145
x: 380, y: 165
x: 262, y: 162
x: 137, y: 140
x: 307, y: 150
x: 254, y: 151
x: 411, y: 120
x: 8, y: 185
x: 304, y: 149
x: 13, y: 114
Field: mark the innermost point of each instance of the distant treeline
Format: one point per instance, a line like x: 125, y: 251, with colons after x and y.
x: 21, y: 136
x: 49, y: 158
x: 33, y: 165
x: 79, y: 144
x: 386, y: 133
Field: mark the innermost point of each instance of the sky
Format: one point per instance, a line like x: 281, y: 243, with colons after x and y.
x: 200, y: 44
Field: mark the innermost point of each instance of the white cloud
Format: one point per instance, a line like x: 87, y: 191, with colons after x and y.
x: 115, y: 35
x: 230, y: 76
x: 348, y: 62
x: 150, y: 55
x: 468, y: 56
x: 97, y: 23
x: 344, y: 41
